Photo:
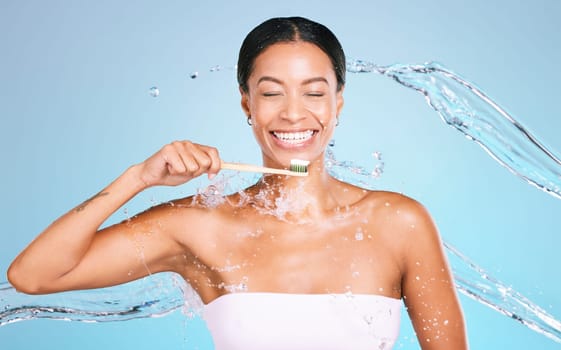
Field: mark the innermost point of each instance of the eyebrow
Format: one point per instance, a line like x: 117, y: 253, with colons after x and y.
x: 305, y: 82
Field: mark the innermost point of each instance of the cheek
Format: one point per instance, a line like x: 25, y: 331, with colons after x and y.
x: 261, y: 111
x: 325, y: 112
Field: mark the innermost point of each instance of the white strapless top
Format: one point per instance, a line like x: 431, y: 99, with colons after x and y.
x: 283, y: 321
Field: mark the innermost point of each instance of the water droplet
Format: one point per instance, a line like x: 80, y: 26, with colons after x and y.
x: 332, y: 143
x: 359, y: 236
x: 194, y: 75
x: 446, y: 322
x: 377, y: 155
x: 377, y: 172
x: 154, y: 91
x: 216, y: 68
x: 356, y: 274
x: 417, y: 278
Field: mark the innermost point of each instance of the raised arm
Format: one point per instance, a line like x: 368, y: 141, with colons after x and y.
x: 72, y: 254
x: 427, y: 284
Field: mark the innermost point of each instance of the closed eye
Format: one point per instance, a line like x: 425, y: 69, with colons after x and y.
x: 315, y: 94
x: 270, y: 94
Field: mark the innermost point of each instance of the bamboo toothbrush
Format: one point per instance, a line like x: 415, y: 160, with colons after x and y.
x: 297, y: 168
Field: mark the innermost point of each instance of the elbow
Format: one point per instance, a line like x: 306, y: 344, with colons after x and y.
x: 23, y: 282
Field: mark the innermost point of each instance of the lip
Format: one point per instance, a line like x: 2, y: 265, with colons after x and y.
x: 292, y: 136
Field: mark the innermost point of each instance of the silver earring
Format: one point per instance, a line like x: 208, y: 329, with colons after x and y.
x: 249, y: 121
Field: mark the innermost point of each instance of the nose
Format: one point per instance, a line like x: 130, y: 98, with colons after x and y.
x: 293, y: 110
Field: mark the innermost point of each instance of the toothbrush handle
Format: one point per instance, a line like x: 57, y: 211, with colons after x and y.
x: 258, y: 169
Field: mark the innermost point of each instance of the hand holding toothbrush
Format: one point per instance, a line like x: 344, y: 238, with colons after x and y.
x: 181, y: 161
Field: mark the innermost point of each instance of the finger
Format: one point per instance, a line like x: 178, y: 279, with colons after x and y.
x: 215, y: 161
x: 195, y: 158
x: 200, y: 160
x: 174, y: 162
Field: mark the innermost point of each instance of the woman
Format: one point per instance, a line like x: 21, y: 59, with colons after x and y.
x: 321, y: 264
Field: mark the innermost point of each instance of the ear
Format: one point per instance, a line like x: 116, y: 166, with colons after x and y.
x: 245, y: 102
x: 340, y: 101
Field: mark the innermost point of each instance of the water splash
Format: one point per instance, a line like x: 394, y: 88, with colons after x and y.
x: 349, y: 171
x: 463, y: 106
x: 458, y: 102
x: 152, y: 296
x: 474, y: 282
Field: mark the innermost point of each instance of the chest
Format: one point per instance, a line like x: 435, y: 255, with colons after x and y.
x: 295, y: 257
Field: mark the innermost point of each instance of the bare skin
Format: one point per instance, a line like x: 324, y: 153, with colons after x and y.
x: 333, y: 238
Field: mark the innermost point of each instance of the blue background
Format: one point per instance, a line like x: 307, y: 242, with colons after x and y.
x: 76, y: 111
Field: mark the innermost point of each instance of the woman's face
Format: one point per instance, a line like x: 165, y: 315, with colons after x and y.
x: 293, y: 102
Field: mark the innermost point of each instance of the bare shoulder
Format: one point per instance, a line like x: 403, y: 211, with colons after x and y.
x: 404, y: 220
x: 398, y: 207
x: 393, y: 212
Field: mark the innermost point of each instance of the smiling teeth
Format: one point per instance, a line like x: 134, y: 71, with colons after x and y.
x: 294, y: 137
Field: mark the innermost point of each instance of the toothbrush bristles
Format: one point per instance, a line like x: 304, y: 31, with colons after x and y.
x: 299, y: 166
